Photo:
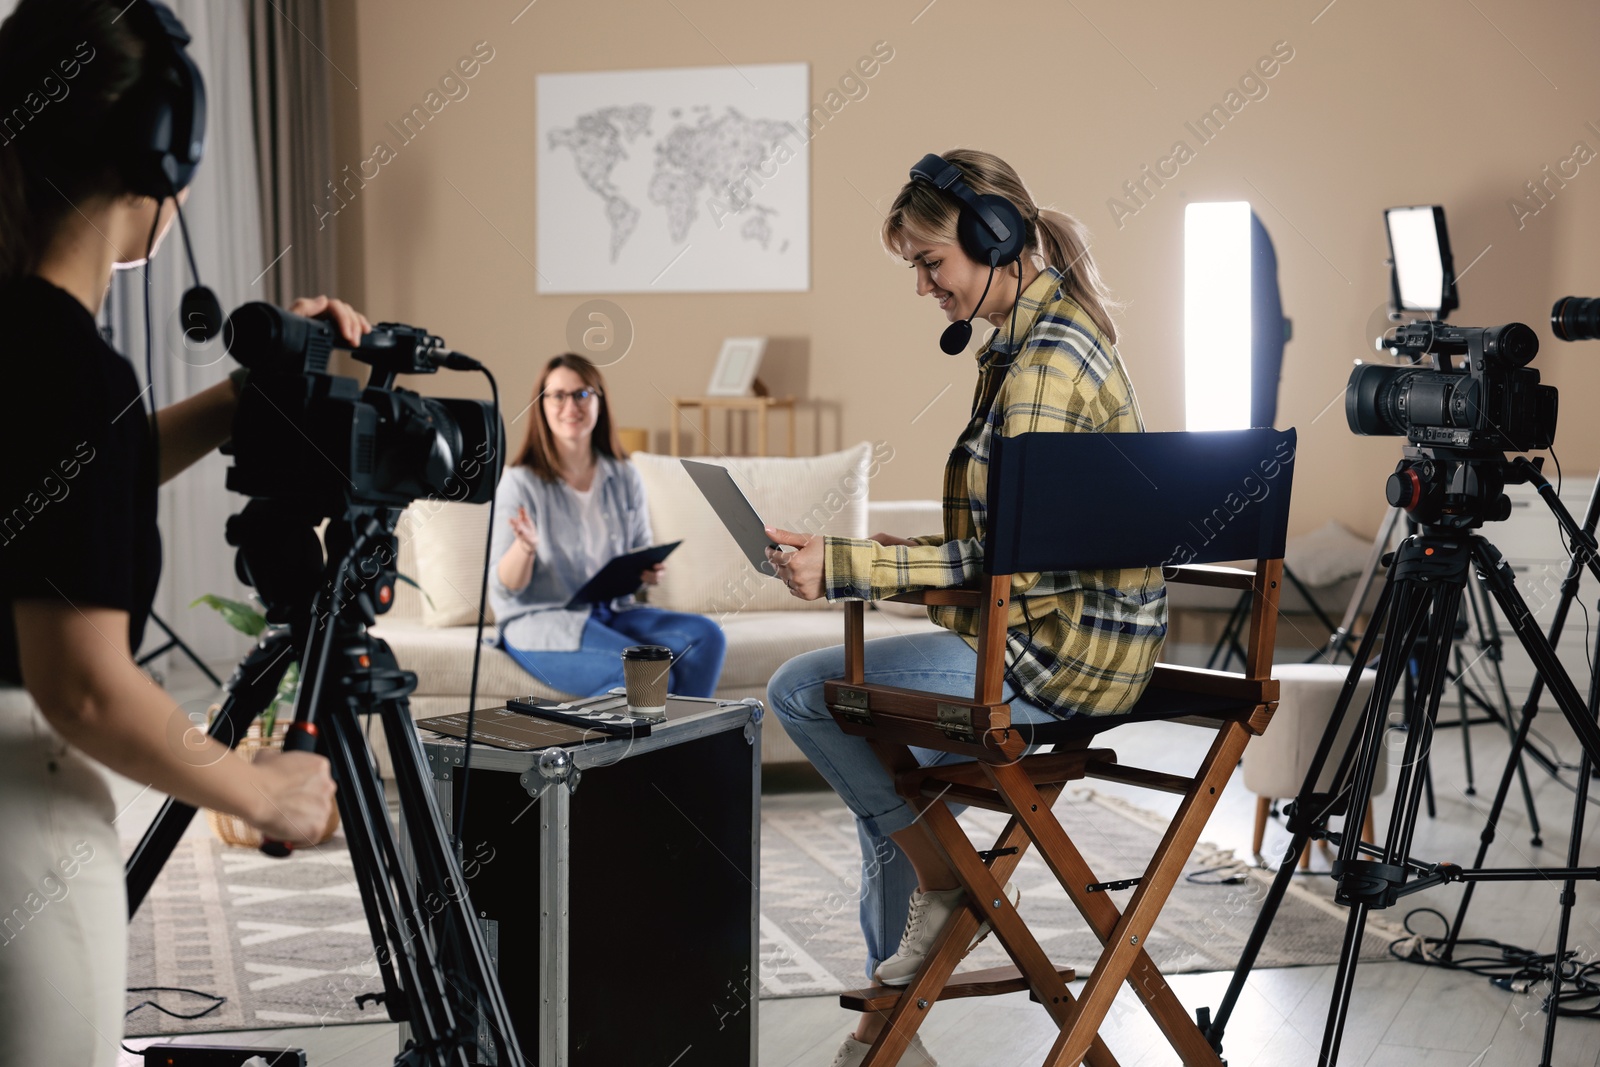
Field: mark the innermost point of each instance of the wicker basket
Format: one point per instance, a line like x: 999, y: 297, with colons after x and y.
x: 231, y: 829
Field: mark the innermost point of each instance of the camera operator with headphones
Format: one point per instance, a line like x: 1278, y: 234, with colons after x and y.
x: 89, y: 184
x: 1081, y: 642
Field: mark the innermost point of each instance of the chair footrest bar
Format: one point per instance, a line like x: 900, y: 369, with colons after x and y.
x: 989, y: 982
x: 1139, y: 776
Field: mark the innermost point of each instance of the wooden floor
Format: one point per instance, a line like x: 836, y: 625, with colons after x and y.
x: 1401, y: 1014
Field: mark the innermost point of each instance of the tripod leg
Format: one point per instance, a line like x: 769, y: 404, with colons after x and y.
x: 1343, y: 980
x: 1569, y: 887
x: 467, y: 953
x: 1466, y: 727
x: 1486, y: 838
x: 250, y: 690
x: 1309, y: 811
x: 431, y: 996
x: 1489, y: 637
x: 1502, y: 584
x: 1569, y: 897
x: 1431, y: 599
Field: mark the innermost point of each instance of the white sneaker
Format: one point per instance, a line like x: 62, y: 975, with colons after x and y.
x: 929, y: 912
x: 852, y: 1052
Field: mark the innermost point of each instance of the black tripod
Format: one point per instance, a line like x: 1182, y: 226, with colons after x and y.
x: 1489, y: 645
x: 1421, y: 596
x: 1530, y: 709
x: 436, y: 969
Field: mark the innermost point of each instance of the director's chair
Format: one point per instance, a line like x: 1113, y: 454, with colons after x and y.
x: 1079, y: 501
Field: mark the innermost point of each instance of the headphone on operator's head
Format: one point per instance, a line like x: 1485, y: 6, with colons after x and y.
x: 990, y: 229
x: 163, y: 117
x: 162, y: 137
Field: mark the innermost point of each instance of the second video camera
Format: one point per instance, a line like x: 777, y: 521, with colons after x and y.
x: 1478, y: 395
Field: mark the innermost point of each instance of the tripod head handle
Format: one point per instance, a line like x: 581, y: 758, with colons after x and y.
x: 301, y: 737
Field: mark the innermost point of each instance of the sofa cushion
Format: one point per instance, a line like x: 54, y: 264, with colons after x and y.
x: 759, y: 642
x: 709, y: 574
x: 904, y: 518
x: 447, y: 543
x: 442, y: 659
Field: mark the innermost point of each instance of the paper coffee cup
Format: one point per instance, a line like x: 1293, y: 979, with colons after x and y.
x: 645, y: 671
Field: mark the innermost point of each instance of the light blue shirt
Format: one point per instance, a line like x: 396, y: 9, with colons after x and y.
x: 535, y: 618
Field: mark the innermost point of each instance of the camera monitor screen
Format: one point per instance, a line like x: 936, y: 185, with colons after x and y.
x: 1423, y: 276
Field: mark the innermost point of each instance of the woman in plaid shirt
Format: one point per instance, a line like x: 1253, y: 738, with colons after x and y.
x: 1078, y: 642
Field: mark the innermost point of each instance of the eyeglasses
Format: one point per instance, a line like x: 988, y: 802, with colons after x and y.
x: 559, y: 397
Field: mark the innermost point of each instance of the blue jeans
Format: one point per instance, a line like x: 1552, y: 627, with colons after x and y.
x: 932, y: 662
x: 697, y: 644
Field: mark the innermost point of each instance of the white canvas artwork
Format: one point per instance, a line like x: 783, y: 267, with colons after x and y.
x: 689, y: 180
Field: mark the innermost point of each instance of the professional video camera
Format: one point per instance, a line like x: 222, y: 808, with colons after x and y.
x: 1489, y: 401
x: 1476, y: 400
x: 323, y: 441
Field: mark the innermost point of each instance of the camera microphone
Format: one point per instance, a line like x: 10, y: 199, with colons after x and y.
x: 200, y: 309
x: 958, y: 334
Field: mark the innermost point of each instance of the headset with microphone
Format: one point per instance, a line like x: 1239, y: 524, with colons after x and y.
x: 161, y: 126
x: 990, y: 230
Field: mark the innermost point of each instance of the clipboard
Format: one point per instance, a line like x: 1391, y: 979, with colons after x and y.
x: 620, y: 576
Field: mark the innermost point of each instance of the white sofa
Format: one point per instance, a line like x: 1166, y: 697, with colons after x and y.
x: 441, y: 548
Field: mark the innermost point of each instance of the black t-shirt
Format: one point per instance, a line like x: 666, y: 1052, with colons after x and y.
x: 77, y: 477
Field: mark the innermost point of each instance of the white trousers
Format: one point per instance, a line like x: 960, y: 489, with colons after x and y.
x: 63, y: 907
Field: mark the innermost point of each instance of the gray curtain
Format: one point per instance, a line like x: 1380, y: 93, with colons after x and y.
x: 293, y: 123
x: 224, y: 216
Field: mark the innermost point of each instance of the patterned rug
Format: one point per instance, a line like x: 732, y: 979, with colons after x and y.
x: 811, y: 877
x: 286, y: 942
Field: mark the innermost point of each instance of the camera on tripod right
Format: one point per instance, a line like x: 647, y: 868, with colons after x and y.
x: 1473, y: 400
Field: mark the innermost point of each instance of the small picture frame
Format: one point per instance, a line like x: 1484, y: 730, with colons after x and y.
x: 736, y: 366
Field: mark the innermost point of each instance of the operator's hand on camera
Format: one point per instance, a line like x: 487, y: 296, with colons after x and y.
x: 889, y: 539
x: 296, y: 796
x: 801, y: 571
x: 527, y: 533
x: 652, y: 575
x: 352, y: 324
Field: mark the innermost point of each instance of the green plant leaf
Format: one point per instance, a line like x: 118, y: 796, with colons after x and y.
x: 237, y: 614
x: 412, y: 582
x: 281, y: 701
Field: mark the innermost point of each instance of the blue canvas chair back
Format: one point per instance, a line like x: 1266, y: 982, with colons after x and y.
x: 1095, y: 501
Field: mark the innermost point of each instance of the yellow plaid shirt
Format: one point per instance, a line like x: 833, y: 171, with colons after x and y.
x: 1078, y: 642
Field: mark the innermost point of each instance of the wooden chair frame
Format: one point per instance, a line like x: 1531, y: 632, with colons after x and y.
x: 1001, y: 777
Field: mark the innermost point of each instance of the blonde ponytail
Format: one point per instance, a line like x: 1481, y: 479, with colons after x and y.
x: 1064, y: 244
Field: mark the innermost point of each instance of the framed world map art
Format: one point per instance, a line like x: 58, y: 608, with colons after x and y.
x: 694, y: 179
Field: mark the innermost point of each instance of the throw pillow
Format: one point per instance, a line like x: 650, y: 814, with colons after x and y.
x: 708, y: 573
x: 447, y: 541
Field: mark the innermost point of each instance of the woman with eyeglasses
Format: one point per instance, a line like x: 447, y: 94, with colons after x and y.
x: 572, y: 502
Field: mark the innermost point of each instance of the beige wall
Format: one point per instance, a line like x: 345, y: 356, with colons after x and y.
x: 1381, y: 104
